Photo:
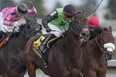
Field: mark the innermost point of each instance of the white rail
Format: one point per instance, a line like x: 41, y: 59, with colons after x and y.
x: 112, y: 63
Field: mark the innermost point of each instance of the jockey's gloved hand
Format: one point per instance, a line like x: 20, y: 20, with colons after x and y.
x: 15, y: 24
x: 35, y: 10
x: 48, y: 30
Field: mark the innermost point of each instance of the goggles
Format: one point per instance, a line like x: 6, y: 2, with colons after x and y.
x: 68, y: 15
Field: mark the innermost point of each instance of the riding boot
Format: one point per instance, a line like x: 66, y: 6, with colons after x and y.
x: 44, y: 45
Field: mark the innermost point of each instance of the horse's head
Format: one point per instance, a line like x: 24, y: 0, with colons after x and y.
x: 80, y: 26
x: 106, y: 43
x: 31, y: 27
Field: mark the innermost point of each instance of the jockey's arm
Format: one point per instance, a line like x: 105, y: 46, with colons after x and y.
x: 49, y: 18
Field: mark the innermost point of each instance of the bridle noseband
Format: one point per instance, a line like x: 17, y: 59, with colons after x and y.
x: 102, y: 49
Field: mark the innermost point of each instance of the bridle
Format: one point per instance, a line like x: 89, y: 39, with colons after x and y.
x: 79, y: 28
x: 102, y: 49
x: 99, y: 45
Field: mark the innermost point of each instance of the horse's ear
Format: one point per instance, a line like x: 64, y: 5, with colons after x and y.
x: 110, y: 28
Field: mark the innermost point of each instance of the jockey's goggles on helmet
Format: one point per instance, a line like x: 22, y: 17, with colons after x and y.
x: 68, y: 16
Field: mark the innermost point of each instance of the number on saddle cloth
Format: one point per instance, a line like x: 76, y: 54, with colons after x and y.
x: 37, y: 43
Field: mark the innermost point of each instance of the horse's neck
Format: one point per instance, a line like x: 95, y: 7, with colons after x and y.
x: 23, y: 39
x: 96, y: 49
x: 72, y: 44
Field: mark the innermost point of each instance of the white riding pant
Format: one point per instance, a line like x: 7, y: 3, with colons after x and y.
x: 3, y: 27
x: 56, y: 31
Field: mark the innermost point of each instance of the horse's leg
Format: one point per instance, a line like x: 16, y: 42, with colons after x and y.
x: 31, y: 71
x: 80, y: 74
x: 101, y: 74
x: 66, y: 74
x: 21, y: 74
x: 29, y: 65
x: 92, y: 73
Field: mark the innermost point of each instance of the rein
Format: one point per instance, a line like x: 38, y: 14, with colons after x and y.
x: 76, y: 33
x: 99, y: 45
x: 101, y: 49
x: 27, y: 35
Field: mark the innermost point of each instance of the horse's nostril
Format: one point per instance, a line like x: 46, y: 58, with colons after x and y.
x: 84, y: 34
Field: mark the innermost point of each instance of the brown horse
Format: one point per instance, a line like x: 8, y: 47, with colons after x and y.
x: 64, y: 56
x: 96, y: 52
x: 11, y: 64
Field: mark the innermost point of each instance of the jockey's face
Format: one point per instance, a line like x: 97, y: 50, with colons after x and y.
x: 68, y: 17
x: 20, y: 14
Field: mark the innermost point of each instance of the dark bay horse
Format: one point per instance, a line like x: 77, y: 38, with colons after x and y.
x: 64, y: 57
x: 96, y: 52
x: 11, y: 64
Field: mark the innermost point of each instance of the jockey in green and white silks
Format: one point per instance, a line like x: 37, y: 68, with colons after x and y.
x: 57, y: 22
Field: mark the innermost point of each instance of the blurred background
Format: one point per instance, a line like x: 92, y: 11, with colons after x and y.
x: 106, y: 12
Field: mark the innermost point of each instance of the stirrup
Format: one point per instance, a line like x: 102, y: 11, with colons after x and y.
x: 45, y: 64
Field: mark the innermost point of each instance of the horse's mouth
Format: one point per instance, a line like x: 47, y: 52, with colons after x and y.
x: 85, y: 34
x: 109, y: 56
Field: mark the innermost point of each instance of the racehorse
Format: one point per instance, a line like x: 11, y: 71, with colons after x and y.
x: 11, y: 64
x: 64, y: 57
x: 96, y: 52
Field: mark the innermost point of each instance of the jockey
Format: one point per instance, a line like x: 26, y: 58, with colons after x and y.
x: 57, y: 23
x: 94, y: 26
x: 10, y: 15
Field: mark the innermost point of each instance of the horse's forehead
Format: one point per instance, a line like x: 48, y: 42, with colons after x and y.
x: 108, y: 36
x: 80, y: 16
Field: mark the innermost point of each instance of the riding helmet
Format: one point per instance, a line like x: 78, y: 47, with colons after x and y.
x: 93, y: 21
x: 22, y: 8
x: 69, y: 9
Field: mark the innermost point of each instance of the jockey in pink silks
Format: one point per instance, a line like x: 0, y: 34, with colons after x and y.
x: 9, y: 17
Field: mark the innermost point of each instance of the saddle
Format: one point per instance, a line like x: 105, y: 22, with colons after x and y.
x: 42, y: 41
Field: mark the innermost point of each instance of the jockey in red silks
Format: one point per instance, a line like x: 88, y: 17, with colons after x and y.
x: 10, y: 15
x: 94, y: 26
x: 93, y: 21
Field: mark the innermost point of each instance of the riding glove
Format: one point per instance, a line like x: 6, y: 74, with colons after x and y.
x: 15, y: 24
x: 48, y: 30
